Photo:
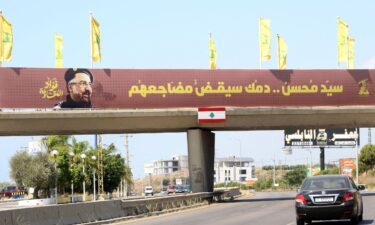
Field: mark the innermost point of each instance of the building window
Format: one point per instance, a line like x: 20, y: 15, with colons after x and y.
x: 242, y: 179
x: 243, y: 172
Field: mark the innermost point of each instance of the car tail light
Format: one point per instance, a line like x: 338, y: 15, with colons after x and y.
x: 348, y: 196
x: 301, y: 199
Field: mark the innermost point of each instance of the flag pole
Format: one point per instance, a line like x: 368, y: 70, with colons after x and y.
x: 348, y: 43
x: 338, y: 48
x: 1, y: 37
x: 209, y: 46
x: 90, y: 19
x: 278, y: 50
x: 96, y: 135
x: 260, y: 49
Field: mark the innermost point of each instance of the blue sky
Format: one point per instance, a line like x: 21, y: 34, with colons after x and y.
x: 174, y: 34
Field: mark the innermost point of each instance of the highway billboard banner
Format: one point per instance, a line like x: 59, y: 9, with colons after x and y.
x: 347, y: 166
x: 337, y: 137
x: 170, y: 88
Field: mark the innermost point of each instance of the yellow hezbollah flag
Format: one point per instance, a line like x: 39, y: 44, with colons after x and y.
x: 95, y: 41
x: 265, y: 39
x: 212, y: 54
x: 351, y: 42
x: 282, y: 50
x: 342, y: 41
x: 58, y: 51
x: 6, y: 40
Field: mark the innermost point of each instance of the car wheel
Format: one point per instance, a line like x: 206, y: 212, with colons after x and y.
x: 300, y: 221
x: 354, y: 220
x: 360, y: 217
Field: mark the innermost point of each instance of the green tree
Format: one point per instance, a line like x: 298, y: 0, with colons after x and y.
x: 332, y: 170
x: 61, y: 144
x: 35, y: 171
x: 366, y: 158
x: 263, y: 183
x: 28, y: 170
x: 295, y: 176
x: 114, y: 169
x: 19, y: 164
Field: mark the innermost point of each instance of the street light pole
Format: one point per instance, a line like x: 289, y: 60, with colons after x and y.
x: 239, y: 173
x: 356, y: 164
x: 71, y: 154
x: 274, y: 170
x: 55, y: 153
x: 93, y: 175
x: 83, y: 156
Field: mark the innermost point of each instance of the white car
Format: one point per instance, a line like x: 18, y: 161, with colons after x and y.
x: 149, y: 190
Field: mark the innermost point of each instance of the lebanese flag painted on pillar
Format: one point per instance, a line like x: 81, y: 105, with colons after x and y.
x: 211, y: 115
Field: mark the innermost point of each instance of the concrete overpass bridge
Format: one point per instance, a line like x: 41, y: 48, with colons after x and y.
x: 139, y: 101
x: 110, y: 121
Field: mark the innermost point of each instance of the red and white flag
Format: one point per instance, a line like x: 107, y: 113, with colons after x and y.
x: 211, y: 115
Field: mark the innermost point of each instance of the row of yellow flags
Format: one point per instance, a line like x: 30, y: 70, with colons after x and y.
x: 264, y: 46
x: 95, y: 44
x: 344, y: 42
x: 6, y: 42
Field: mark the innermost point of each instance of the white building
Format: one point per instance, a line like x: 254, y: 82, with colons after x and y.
x: 234, y: 169
x: 162, y: 166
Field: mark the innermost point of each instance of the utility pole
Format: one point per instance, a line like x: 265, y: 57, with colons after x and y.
x: 274, y: 170
x: 99, y: 148
x: 322, y: 157
x: 369, y: 135
x: 127, y: 162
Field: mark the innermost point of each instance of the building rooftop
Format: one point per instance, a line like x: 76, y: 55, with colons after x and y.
x: 235, y: 159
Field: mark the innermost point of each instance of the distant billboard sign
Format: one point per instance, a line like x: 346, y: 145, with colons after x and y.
x: 322, y: 137
x: 347, y: 165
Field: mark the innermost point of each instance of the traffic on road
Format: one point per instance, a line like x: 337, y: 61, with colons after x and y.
x: 263, y: 208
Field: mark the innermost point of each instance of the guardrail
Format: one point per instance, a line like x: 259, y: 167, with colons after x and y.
x: 91, y: 212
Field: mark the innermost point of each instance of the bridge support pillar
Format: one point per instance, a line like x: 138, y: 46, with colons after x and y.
x: 201, y: 150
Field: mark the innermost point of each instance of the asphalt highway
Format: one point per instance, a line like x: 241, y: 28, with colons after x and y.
x: 261, y: 209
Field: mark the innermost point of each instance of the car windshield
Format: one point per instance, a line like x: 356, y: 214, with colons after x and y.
x: 325, y: 183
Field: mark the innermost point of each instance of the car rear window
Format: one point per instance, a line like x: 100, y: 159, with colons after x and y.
x: 325, y: 183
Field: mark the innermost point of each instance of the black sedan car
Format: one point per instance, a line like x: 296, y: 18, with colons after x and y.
x: 329, y: 197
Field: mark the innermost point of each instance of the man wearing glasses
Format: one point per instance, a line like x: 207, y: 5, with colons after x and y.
x: 79, y: 88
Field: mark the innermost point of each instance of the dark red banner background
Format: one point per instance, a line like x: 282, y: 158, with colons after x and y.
x: 137, y: 88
